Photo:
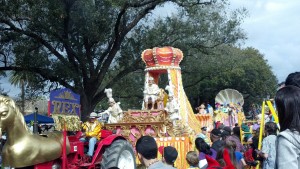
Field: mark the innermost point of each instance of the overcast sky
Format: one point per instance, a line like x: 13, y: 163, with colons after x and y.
x: 272, y: 27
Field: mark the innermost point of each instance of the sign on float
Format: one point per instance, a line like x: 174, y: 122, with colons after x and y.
x: 64, y: 101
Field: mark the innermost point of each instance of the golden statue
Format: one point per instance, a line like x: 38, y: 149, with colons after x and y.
x: 21, y: 143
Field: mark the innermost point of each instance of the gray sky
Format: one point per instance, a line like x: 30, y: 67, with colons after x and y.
x: 273, y: 28
x: 12, y: 91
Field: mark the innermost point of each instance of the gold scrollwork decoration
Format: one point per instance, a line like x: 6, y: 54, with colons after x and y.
x: 156, y: 130
x: 137, y: 135
x: 142, y: 129
x: 125, y: 133
x: 110, y: 128
x: 132, y: 116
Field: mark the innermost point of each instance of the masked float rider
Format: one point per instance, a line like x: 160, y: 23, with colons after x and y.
x: 92, y: 132
x: 151, y: 92
x: 114, y: 111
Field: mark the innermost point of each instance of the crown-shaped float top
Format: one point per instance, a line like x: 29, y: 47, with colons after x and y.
x: 165, y: 56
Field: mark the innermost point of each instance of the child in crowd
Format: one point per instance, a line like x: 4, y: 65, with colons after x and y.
x: 192, y: 159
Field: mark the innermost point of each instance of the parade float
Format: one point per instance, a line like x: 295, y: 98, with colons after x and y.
x: 166, y: 113
x: 229, y: 107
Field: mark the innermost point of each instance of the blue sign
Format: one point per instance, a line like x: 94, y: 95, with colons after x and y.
x: 64, y: 101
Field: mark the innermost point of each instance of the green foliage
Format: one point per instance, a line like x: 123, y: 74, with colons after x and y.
x: 245, y: 70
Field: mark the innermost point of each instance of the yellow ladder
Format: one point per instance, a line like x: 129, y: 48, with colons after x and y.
x: 242, y: 133
x: 261, y: 130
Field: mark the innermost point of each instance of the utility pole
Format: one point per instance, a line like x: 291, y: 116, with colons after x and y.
x: 35, y: 122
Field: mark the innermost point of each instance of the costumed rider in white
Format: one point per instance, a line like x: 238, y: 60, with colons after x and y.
x: 151, y: 92
x: 172, y: 106
x: 114, y: 112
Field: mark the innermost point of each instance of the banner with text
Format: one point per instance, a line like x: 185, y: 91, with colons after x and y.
x: 64, y: 101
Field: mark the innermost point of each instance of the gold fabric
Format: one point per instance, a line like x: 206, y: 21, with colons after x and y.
x: 72, y: 122
x: 190, y: 124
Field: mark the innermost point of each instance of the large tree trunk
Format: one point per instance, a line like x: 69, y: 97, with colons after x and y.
x: 88, y: 99
x: 86, y: 107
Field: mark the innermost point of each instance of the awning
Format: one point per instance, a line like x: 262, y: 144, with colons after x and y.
x: 40, y: 118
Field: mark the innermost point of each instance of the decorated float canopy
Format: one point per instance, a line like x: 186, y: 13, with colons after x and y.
x: 229, y: 110
x: 166, y: 60
x: 162, y: 58
x: 228, y: 96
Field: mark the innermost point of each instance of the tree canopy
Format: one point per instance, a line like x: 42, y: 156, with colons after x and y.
x: 226, y: 66
x: 91, y: 45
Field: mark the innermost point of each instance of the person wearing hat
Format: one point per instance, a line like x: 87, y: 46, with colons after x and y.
x: 92, y: 133
x: 146, y: 148
x: 215, y: 137
x: 169, y: 155
x: 203, y: 135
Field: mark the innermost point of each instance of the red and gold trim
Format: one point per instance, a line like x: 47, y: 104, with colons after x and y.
x: 165, y: 56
